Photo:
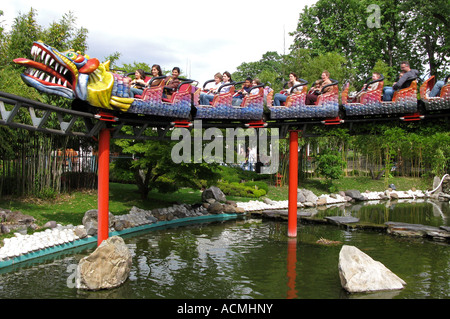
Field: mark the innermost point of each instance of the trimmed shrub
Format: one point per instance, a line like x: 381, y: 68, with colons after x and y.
x: 240, y: 189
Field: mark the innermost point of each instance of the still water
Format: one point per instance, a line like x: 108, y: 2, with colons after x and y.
x: 254, y: 259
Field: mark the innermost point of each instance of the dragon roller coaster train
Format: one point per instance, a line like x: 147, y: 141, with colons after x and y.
x: 92, y: 84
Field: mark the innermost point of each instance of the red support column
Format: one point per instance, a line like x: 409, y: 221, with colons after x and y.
x: 293, y: 183
x: 103, y: 185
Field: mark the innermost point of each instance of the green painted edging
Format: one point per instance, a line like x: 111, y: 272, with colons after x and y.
x: 93, y: 239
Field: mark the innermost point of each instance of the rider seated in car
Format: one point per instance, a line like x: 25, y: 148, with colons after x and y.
x: 240, y: 94
x: 371, y: 87
x: 436, y: 90
x: 282, y: 97
x: 312, y: 97
x: 172, y: 83
x: 404, y: 82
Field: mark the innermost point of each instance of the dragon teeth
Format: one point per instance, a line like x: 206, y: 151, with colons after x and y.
x: 46, y: 58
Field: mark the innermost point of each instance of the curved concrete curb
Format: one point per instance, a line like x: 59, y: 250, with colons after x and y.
x: 92, y: 240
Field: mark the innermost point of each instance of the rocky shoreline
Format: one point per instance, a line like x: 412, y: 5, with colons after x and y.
x: 55, y: 234
x: 307, y: 199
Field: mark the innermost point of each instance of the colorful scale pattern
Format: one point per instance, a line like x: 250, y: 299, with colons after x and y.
x: 327, y: 106
x: 435, y: 103
x: 121, y: 87
x: 152, y: 104
x: 251, y: 108
x: 404, y: 101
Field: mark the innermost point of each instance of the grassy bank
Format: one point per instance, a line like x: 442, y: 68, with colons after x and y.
x: 70, y: 208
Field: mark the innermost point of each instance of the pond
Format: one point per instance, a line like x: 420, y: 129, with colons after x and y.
x: 253, y: 259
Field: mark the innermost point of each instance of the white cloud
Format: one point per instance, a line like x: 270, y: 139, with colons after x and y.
x: 202, y: 37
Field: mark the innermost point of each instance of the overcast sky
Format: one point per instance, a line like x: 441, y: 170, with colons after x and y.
x: 200, y: 37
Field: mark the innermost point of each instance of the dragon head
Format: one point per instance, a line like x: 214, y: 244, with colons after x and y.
x: 61, y: 73
x: 72, y: 75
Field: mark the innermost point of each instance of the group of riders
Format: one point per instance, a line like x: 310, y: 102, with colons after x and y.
x: 405, y: 77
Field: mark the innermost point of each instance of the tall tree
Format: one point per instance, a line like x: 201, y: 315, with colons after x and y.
x: 25, y: 30
x: 64, y: 34
x: 428, y: 28
x: 367, y: 31
x: 153, y: 167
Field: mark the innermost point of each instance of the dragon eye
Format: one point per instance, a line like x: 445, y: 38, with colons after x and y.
x: 71, y: 55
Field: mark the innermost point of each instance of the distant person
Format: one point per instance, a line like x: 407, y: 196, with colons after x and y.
x: 312, y: 97
x: 404, y: 82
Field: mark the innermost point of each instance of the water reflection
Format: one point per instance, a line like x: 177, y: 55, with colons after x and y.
x: 417, y: 211
x: 291, y: 271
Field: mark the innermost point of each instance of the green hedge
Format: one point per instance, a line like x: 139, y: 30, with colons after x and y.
x: 243, y: 190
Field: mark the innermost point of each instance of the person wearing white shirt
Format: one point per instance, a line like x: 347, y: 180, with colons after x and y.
x: 208, y: 97
x: 280, y: 97
x: 218, y: 78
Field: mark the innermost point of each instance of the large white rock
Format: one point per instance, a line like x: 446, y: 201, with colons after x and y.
x: 107, y: 267
x: 360, y: 273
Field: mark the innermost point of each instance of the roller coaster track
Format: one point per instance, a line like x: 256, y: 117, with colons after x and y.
x: 23, y: 113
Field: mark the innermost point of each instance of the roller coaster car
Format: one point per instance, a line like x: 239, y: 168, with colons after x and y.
x: 437, y: 103
x: 369, y: 100
x: 151, y: 102
x: 198, y: 91
x: 404, y: 101
x: 297, y: 97
x: 326, y: 106
x: 221, y: 107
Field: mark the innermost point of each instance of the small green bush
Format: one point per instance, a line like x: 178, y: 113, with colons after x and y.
x: 258, y: 184
x: 240, y: 189
x: 236, y: 174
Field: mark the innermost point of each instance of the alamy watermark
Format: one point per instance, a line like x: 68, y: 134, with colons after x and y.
x: 71, y: 280
x: 213, y: 152
x: 374, y: 19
